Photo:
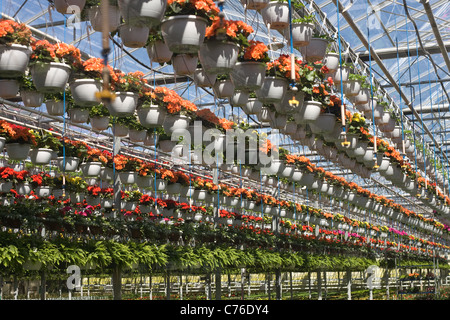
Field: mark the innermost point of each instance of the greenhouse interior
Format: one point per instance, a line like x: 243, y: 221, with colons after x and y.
x: 141, y: 160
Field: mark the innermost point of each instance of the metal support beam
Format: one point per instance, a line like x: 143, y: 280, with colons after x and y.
x: 443, y: 48
x: 391, y: 52
x: 430, y: 109
x: 414, y: 83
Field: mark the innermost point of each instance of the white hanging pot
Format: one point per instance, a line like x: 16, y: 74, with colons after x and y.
x: 311, y: 111
x: 41, y: 156
x: 248, y: 75
x: 239, y: 98
x: 69, y: 6
x: 32, y: 99
x: 184, y: 64
x: 301, y: 34
x: 218, y: 56
x: 264, y: 114
x: 331, y: 61
x: 152, y: 116
x: 120, y: 130
x: 151, y: 139
x: 176, y: 123
x: 14, y: 60
x: 159, y: 52
x: 17, y: 151
x: 91, y: 168
x: 173, y: 188
x: 6, y: 186
x: 137, y: 135
x: 290, y: 128
x: 387, y: 127
x: 273, y: 90
x: 255, y: 4
x: 341, y: 75
x: 184, y: 33
x: 276, y: 14
x: 67, y: 164
x: 50, y: 77
x: 79, y: 115
x: 54, y: 108
x: 8, y: 88
x: 277, y: 121
x: 107, y: 174
x: 144, y: 181
x: 43, y: 191
x: 316, y: 49
x: 99, y: 123
x: 23, y: 188
x: 252, y: 107
x: 96, y: 18
x: 224, y: 88
x: 128, y: 177
x: 84, y: 92
x: 324, y: 123
x: 167, y: 145
x: 142, y: 12
x: 133, y: 36
x: 362, y: 97
x: 204, y: 79
x: 351, y: 88
x: 124, y: 104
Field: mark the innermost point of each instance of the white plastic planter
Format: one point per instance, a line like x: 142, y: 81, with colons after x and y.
x: 151, y: 117
x: 54, y: 108
x: 252, y: 107
x: 276, y: 14
x: 68, y: 164
x: 218, y: 57
x: 204, y: 79
x: 224, y: 89
x: 134, y: 36
x: 239, y: 98
x: 124, y: 104
x: 301, y: 34
x: 79, y: 115
x: 323, y: 124
x: 311, y: 111
x: 341, y: 75
x: 273, y: 90
x: 184, y: 64
x: 8, y: 88
x: 50, y: 77
x: 331, y: 61
x: 99, y: 123
x: 159, y: 52
x: 91, y: 169
x: 143, y: 12
x: 137, y: 135
x: 69, y: 6
x: 119, y: 130
x: 18, y: 151
x: 32, y: 99
x: 184, y: 33
x: 96, y: 18
x: 41, y: 156
x: 43, y: 191
x: 255, y: 4
x: 14, y: 60
x: 316, y: 49
x: 248, y: 75
x: 23, y: 188
x: 84, y: 92
x: 127, y: 177
x: 176, y: 123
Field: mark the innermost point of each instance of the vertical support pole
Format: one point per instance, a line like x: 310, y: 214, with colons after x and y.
x: 117, y: 282
x: 349, y: 285
x: 43, y: 285
x: 218, y: 280
x: 319, y: 284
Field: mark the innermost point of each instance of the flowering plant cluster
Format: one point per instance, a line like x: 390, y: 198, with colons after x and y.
x: 12, y: 32
x: 229, y: 30
x: 44, y: 52
x: 211, y: 120
x: 173, y: 103
x: 16, y: 134
x: 203, y: 8
x: 255, y: 51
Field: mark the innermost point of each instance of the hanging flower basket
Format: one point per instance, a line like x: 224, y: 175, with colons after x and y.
x: 248, y: 75
x: 107, y: 174
x: 23, y: 188
x: 255, y: 4
x: 6, y: 186
x: 91, y: 169
x: 362, y: 97
x: 99, y: 123
x: 54, y: 108
x: 18, y: 151
x: 217, y: 56
x: 341, y: 75
x: 137, y: 135
x: 120, y: 130
x: 173, y: 188
x: 276, y: 14
x: 316, y: 49
x: 124, y: 104
x: 176, y: 123
x: 68, y: 164
x: 310, y: 111
x: 143, y: 12
x: 96, y: 18
x: 351, y: 88
x: 301, y: 34
x: 323, y: 124
x: 167, y: 145
x: 331, y: 61
x: 14, y: 60
x: 9, y: 88
x: 152, y: 116
x: 41, y: 156
x: 184, y: 33
x: 84, y: 92
x: 134, y: 36
x: 69, y: 6
x: 43, y: 191
x: 224, y: 88
x: 32, y: 99
x: 50, y: 77
x: 277, y: 121
x: 79, y: 115
x: 252, y: 107
x: 127, y: 177
x: 184, y: 64
x: 159, y: 52
x: 144, y: 181
x: 273, y: 90
x: 264, y: 114
x: 204, y: 79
